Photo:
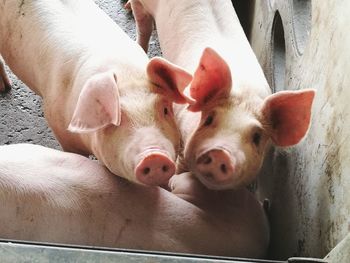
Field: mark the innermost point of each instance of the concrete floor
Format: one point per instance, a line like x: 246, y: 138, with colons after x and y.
x: 21, y: 116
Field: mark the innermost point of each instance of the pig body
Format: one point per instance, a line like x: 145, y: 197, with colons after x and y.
x: 232, y: 117
x: 52, y: 196
x: 101, y: 94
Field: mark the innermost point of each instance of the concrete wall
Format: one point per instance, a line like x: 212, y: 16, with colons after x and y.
x: 306, y: 44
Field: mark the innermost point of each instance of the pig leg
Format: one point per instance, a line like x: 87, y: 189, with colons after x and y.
x: 188, y: 187
x: 239, y: 207
x: 144, y: 23
x: 5, y: 83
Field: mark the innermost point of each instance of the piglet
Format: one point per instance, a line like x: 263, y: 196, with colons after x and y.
x: 101, y: 94
x: 232, y: 117
x: 53, y: 196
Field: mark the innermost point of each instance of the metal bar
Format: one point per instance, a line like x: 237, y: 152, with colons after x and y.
x: 18, y: 251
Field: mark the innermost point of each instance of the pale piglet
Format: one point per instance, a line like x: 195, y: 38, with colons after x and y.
x: 101, y: 93
x: 232, y: 117
x: 53, y: 196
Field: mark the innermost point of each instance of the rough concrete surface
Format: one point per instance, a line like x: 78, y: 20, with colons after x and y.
x: 308, y: 185
x: 21, y: 117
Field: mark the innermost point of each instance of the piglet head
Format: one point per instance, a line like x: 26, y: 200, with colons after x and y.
x: 131, y: 124
x: 228, y: 147
x: 156, y: 143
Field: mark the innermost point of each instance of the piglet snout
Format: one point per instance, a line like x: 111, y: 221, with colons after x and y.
x: 215, y: 165
x: 155, y: 169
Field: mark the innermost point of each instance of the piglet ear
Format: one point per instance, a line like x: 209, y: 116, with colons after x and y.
x: 212, y: 80
x: 289, y: 113
x: 98, y: 104
x: 169, y: 79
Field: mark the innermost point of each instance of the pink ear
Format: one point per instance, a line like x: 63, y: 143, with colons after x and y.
x: 170, y: 79
x: 98, y: 104
x: 289, y: 113
x: 211, y: 80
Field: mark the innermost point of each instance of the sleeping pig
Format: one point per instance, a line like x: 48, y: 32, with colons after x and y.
x: 48, y: 195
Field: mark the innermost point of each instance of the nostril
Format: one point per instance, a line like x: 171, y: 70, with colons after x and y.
x: 146, y: 170
x: 223, y: 168
x: 165, y: 168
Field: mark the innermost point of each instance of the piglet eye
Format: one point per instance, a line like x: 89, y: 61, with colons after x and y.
x: 256, y: 138
x: 166, y: 111
x: 209, y: 120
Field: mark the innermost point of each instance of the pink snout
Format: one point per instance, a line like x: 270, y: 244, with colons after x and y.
x: 155, y: 169
x: 216, y: 165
